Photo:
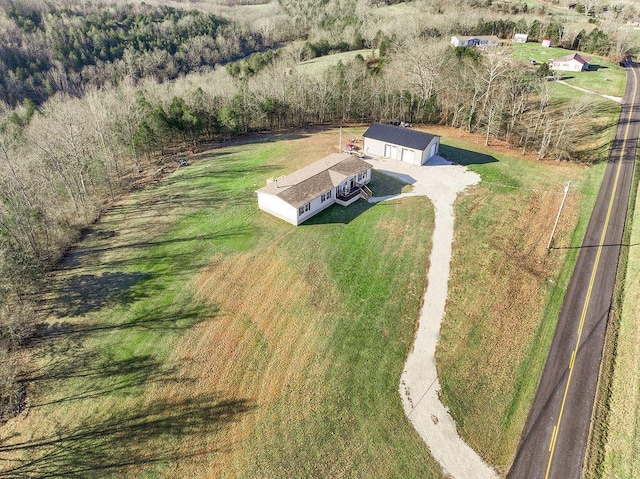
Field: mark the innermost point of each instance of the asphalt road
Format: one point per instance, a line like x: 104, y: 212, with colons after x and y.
x: 555, y: 436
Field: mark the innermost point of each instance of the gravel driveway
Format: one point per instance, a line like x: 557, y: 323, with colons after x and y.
x: 441, y: 182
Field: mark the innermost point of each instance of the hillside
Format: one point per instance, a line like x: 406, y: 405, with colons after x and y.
x: 129, y: 342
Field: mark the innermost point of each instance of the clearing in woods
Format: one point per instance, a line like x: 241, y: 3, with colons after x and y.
x: 190, y: 334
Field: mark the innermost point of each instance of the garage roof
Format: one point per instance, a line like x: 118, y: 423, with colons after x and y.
x: 418, y: 140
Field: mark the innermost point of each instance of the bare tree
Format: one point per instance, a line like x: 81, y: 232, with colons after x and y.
x: 418, y: 64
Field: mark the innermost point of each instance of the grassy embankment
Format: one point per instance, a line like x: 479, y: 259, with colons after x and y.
x: 622, y: 430
x: 506, y: 292
x: 192, y: 335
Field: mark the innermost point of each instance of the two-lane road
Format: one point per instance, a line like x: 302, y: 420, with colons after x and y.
x: 555, y: 436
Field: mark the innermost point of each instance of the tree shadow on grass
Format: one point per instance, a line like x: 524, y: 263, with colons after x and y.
x: 101, y: 375
x: 86, y: 255
x: 61, y: 338
x: 464, y: 157
x: 233, y: 169
x: 606, y: 149
x: 79, y: 294
x: 49, y: 338
x: 125, y: 442
x: 83, y: 293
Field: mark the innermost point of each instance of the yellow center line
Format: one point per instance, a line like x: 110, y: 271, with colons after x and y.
x: 585, y: 307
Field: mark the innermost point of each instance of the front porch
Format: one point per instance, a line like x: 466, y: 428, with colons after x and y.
x: 357, y: 192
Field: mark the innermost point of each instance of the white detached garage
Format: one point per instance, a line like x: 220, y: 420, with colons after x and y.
x: 402, y: 144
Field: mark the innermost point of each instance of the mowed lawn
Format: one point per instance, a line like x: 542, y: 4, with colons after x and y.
x: 192, y: 335
x: 505, y: 290
x: 603, y: 77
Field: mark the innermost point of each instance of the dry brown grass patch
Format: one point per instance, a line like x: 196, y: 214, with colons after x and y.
x: 256, y: 348
x: 498, y: 288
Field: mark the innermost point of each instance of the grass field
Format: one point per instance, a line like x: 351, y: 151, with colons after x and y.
x: 506, y: 291
x: 318, y: 65
x: 192, y: 335
x: 622, y: 450
x: 603, y: 77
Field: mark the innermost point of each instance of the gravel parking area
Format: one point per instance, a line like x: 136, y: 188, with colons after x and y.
x: 441, y: 182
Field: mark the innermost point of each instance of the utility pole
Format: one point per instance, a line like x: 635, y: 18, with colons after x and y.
x: 564, y: 198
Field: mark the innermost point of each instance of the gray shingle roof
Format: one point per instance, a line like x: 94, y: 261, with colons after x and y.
x: 305, y: 184
x: 490, y: 38
x: 397, y: 135
x: 573, y: 56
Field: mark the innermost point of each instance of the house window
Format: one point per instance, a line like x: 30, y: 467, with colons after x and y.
x: 324, y: 197
x: 304, y: 208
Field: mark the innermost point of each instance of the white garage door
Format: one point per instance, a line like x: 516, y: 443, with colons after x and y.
x: 391, y: 151
x: 408, y: 155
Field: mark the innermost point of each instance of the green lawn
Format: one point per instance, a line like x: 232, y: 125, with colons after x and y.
x: 317, y: 65
x: 193, y: 335
x: 506, y: 291
x: 603, y: 77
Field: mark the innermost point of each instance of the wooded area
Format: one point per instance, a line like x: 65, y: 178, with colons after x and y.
x: 44, y: 50
x: 93, y: 118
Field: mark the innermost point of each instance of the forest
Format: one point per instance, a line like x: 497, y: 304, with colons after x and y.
x: 52, y: 49
x: 96, y: 99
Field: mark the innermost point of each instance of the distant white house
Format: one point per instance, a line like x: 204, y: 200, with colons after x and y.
x: 546, y: 42
x: 570, y: 63
x: 520, y: 38
x: 338, y: 178
x: 403, y: 144
x: 475, y: 41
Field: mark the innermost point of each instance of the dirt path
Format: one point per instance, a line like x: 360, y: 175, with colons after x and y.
x: 617, y: 99
x: 441, y: 182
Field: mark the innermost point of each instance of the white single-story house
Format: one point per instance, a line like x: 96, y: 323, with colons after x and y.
x: 475, y: 41
x: 570, y: 63
x: 338, y: 178
x: 520, y: 38
x: 403, y: 144
x: 546, y: 42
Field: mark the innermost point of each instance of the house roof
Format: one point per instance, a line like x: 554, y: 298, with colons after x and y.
x: 397, y: 135
x: 573, y: 56
x: 306, y: 184
x: 479, y: 37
